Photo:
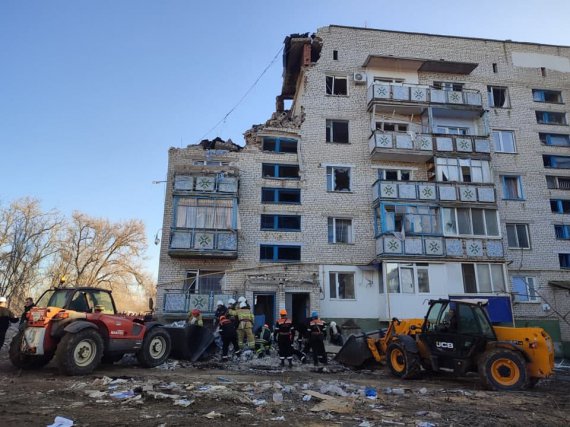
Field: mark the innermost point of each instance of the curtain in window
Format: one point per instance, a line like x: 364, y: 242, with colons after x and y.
x: 342, y: 230
x: 204, y: 213
x: 511, y: 186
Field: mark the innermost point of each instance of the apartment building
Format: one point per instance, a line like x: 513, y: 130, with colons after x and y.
x: 406, y: 167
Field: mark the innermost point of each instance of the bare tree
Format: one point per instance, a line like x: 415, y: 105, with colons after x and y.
x: 96, y: 252
x: 27, y: 241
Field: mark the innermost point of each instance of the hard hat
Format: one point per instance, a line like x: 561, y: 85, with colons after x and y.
x: 220, y: 302
x: 3, y: 299
x: 222, y: 318
x: 231, y: 301
x: 241, y: 299
x: 243, y: 305
x: 315, y: 314
x: 283, y: 312
x: 266, y: 326
x: 195, y: 312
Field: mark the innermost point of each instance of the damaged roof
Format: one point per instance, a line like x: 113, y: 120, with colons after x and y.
x: 293, y: 50
x: 219, y: 144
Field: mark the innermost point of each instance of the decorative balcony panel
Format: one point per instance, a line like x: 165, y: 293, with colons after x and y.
x: 420, y: 147
x: 434, y: 191
x: 436, y: 246
x: 203, y: 243
x: 206, y: 183
x: 420, y: 94
x: 183, y: 302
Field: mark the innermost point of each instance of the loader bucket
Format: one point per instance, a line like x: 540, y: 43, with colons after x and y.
x: 189, y: 342
x: 355, y: 351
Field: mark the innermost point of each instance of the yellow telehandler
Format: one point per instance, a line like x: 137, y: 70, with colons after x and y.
x: 456, y: 336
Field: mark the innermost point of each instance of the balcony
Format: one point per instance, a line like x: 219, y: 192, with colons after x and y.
x: 420, y: 147
x: 422, y: 95
x: 434, y: 191
x: 204, y: 183
x: 204, y: 243
x: 438, y: 246
x: 177, y: 303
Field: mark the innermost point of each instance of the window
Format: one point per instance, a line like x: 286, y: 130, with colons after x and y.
x: 562, y: 231
x: 272, y: 170
x: 564, y: 260
x: 281, y: 222
x: 556, y: 162
x: 203, y: 281
x: 204, y: 213
x: 340, y: 230
x: 462, y: 170
x: 209, y: 163
x: 547, y: 96
x: 495, y: 69
x: 341, y: 285
x: 550, y: 118
x: 388, y: 80
x: 281, y: 195
x: 556, y: 139
x: 394, y: 174
x: 518, y: 236
x: 504, y: 141
x: 337, y: 85
x: 498, y: 97
x: 337, y: 131
x: 483, y: 278
x: 338, y: 178
x: 391, y: 127
x: 335, y: 55
x: 279, y: 253
x: 524, y: 289
x: 558, y: 182
x: 279, y: 145
x: 403, y: 278
x: 452, y: 130
x: 512, y: 188
x: 470, y: 222
x: 560, y: 206
x: 410, y: 219
x: 450, y: 86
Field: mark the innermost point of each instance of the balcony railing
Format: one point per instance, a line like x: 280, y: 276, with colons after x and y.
x: 434, y: 191
x: 203, y: 243
x: 400, y: 145
x: 206, y: 183
x: 410, y: 93
x: 182, y: 303
x: 437, y: 246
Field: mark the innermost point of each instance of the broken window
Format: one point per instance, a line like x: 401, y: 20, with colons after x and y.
x: 281, y: 222
x: 410, y: 219
x: 340, y: 230
x: 463, y: 170
x: 341, y: 285
x: 394, y: 174
x: 337, y: 131
x: 449, y: 86
x: 498, y: 97
x: 547, y: 96
x: 337, y: 85
x: 550, y: 118
x: 338, y: 178
x: 272, y: 170
x: 281, y: 195
x: 391, y: 127
x: 280, y: 253
x: 279, y: 145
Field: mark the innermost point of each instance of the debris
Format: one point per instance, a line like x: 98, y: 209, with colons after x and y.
x: 424, y: 424
x: 169, y: 365
x: 365, y: 424
x: 370, y: 393
x: 307, y: 397
x: 118, y: 381
x: 213, y: 414
x: 422, y: 413
x: 122, y: 394
x: 259, y: 402
x: 318, y: 395
x: 183, y: 402
x: 334, y: 405
x: 159, y: 395
x: 423, y: 390
x: 61, y: 422
x: 281, y: 418
x: 278, y: 398
x: 333, y: 389
x: 225, y: 380
x: 95, y: 394
x: 398, y: 391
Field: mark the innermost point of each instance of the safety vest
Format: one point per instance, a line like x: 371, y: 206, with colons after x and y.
x: 245, y: 318
x: 316, y: 327
x: 284, y: 326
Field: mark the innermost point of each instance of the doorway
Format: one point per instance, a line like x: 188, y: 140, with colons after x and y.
x: 298, y: 306
x: 263, y: 310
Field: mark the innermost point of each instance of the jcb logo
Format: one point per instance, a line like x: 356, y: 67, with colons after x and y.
x: 441, y: 344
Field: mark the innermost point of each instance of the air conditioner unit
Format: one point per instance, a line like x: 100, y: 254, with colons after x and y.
x: 359, y: 77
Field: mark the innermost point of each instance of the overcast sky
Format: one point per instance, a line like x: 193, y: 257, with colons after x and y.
x: 93, y: 93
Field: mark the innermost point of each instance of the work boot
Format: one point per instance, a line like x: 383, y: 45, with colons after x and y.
x: 303, y: 359
x: 282, y: 362
x: 290, y: 363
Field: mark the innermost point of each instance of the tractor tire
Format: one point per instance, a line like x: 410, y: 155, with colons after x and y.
x: 155, y: 349
x: 26, y: 361
x: 503, y: 369
x: 403, y: 363
x: 79, y: 353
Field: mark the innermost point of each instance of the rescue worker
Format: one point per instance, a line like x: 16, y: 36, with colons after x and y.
x: 229, y: 336
x: 335, y: 335
x: 6, y: 317
x: 285, y: 335
x: 263, y: 341
x: 221, y: 310
x: 195, y: 318
x: 28, y: 305
x: 245, y: 327
x: 316, y: 332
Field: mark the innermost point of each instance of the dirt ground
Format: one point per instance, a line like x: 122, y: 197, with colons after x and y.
x: 250, y: 393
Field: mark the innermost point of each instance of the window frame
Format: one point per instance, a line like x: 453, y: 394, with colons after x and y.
x: 401, y: 127
x: 555, y: 179
x: 337, y: 285
x: 454, y: 165
x: 198, y: 273
x: 477, y: 279
x: 529, y: 294
x: 517, y: 227
x: 491, y: 97
x: 561, y: 257
x: 551, y: 158
x: 275, y: 220
x: 197, y: 207
x: 520, y: 190
x: 448, y: 86
x: 275, y: 255
x: 452, y: 130
x: 331, y: 225
x: 499, y: 133
x: 279, y: 143
x: 564, y: 233
x: 543, y: 118
x: 544, y: 92
x: 471, y: 223
x: 277, y: 168
x: 331, y: 180
x: 386, y: 220
x: 276, y: 195
x: 383, y: 171
x: 333, y: 78
x: 546, y: 138
x: 330, y: 133
x: 559, y: 206
x: 415, y: 278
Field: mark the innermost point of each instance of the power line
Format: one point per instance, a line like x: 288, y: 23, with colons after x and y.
x: 245, y: 94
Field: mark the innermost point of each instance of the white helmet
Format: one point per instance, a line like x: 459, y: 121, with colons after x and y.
x: 243, y: 305
x: 220, y: 302
x: 3, y: 299
x: 241, y: 299
x: 231, y: 301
